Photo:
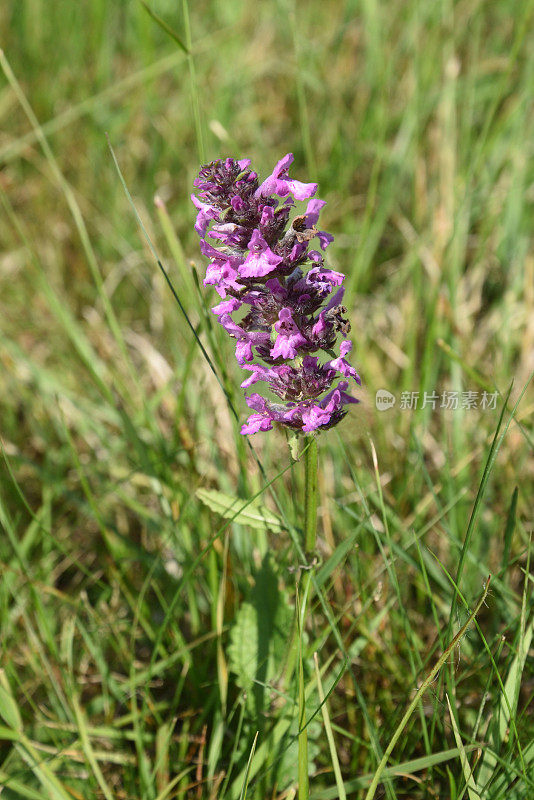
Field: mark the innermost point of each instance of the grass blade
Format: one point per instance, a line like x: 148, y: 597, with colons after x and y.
x: 422, y: 689
x: 329, y: 733
x: 164, y: 26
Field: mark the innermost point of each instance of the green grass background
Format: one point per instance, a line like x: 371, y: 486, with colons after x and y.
x: 144, y: 639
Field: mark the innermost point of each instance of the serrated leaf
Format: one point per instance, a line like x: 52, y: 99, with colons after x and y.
x: 243, y: 649
x: 259, y: 638
x: 245, y: 513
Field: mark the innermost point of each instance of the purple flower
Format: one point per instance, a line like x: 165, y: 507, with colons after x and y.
x: 342, y: 365
x: 288, y: 300
x: 261, y: 260
x: 227, y: 306
x: 278, y: 183
x: 312, y: 217
x: 289, y: 337
x: 205, y: 214
x: 246, y: 340
x: 261, y: 421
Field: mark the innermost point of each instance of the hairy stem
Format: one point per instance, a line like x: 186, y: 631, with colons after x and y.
x: 310, y: 495
x: 310, y: 536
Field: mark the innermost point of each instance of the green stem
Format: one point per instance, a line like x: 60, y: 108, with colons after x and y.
x: 310, y: 495
x: 310, y: 536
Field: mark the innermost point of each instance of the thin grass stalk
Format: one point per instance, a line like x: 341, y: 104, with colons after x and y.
x: 303, y: 767
x: 197, y: 115
x: 342, y: 795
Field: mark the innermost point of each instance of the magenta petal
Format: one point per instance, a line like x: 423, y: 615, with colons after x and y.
x: 206, y: 213
x: 283, y: 348
x: 259, y: 373
x: 320, y: 325
x: 256, y: 423
x: 277, y: 183
x: 243, y: 352
x: 257, y: 265
x: 283, y: 319
x: 274, y: 286
x: 336, y: 299
x: 299, y: 190
x: 284, y: 164
x: 324, y: 239
x: 261, y: 260
x: 267, y: 215
x: 227, y: 306
x: 256, y: 402
x: 237, y: 204
x: 341, y: 365
x: 314, y: 417
x: 312, y: 212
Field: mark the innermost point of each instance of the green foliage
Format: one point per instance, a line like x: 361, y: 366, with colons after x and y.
x: 147, y: 622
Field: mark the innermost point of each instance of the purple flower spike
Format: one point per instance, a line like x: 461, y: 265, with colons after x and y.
x: 288, y: 300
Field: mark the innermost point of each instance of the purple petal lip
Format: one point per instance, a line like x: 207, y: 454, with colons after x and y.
x: 256, y: 423
x: 227, y: 306
x: 313, y: 210
x: 206, y: 213
x: 257, y: 265
x: 267, y: 215
x: 324, y: 239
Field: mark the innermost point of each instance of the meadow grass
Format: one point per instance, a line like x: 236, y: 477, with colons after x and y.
x: 148, y: 633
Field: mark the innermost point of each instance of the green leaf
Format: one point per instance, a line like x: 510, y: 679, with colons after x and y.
x: 293, y: 441
x: 243, y: 794
x: 245, y: 513
x: 243, y: 649
x: 19, y: 789
x: 404, y: 768
x: 471, y: 785
x: 258, y: 639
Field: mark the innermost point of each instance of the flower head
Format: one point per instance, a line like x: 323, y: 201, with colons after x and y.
x: 288, y: 300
